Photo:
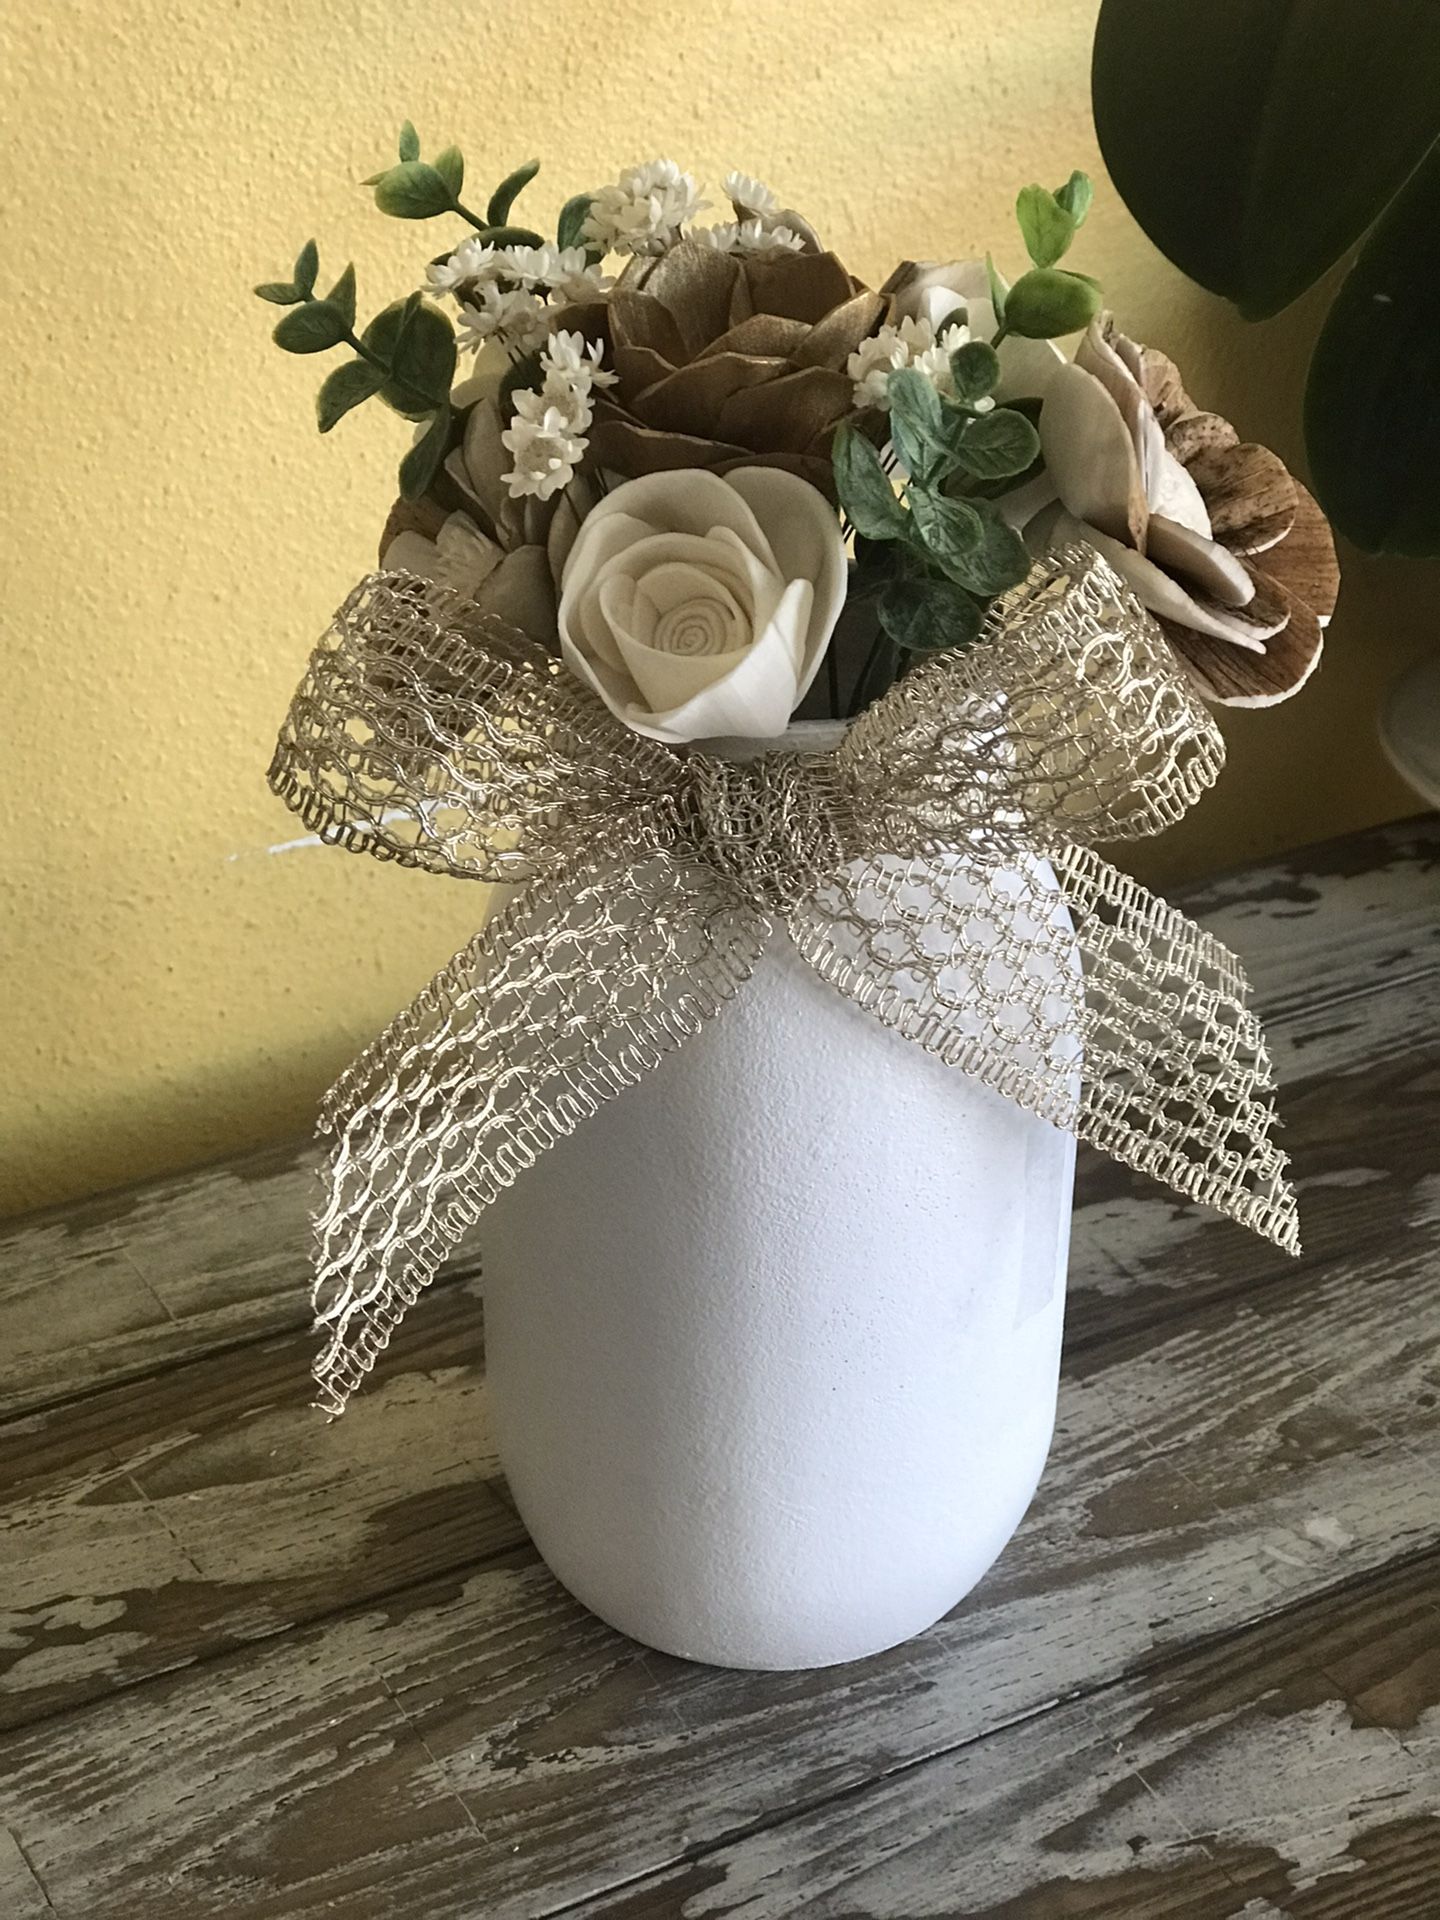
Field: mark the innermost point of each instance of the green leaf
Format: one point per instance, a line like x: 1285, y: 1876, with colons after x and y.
x: 385, y: 338
x: 422, y: 462
x: 994, y: 446
x: 876, y: 561
x: 510, y: 237
x: 975, y: 369
x: 864, y: 487
x: 450, y: 165
x: 342, y: 296
x: 917, y: 423
x: 1372, y: 405
x: 307, y: 265
x: 928, y: 616
x: 281, y: 292
x: 384, y: 330
x: 527, y: 373
x: 1048, y: 301
x: 1075, y: 196
x: 951, y: 530
x: 310, y: 329
x: 345, y: 388
x: 569, y: 230
x: 1046, y: 228
x: 413, y: 191
x: 424, y: 353
x: 508, y: 191
x: 1001, y: 560
x: 1256, y: 140
x: 409, y: 142
x: 999, y: 292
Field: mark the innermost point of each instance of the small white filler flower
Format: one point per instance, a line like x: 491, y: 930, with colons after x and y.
x: 546, y: 449
x: 751, y: 198
x: 508, y: 314
x: 911, y: 344
x: 472, y: 260
x: 547, y: 436
x: 646, y: 211
x: 748, y: 236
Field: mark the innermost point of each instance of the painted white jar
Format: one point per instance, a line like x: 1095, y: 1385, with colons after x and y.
x: 773, y: 1340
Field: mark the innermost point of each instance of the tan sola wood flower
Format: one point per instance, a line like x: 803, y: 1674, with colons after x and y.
x: 470, y: 534
x: 1217, y: 539
x: 729, y: 360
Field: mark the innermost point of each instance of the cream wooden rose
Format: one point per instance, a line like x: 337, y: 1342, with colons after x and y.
x: 699, y: 605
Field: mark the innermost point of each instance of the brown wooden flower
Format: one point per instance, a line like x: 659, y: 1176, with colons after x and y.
x: 469, y: 534
x: 728, y: 360
x: 1222, y: 544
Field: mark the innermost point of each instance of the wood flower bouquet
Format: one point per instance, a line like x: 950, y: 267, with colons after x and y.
x: 790, y: 644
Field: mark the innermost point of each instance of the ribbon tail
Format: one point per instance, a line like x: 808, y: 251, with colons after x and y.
x: 581, y: 985
x: 1067, y: 987
x: 1178, y: 1081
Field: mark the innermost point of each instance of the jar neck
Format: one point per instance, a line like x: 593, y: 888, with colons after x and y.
x: 802, y: 736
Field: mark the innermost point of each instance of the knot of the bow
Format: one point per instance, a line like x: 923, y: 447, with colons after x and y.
x: 774, y: 826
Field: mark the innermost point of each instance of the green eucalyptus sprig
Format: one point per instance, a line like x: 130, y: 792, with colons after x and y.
x: 416, y: 189
x: 935, y: 551
x: 938, y: 551
x: 1049, y: 300
x: 405, y: 356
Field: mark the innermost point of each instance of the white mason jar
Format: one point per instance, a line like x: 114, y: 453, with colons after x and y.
x: 773, y: 1339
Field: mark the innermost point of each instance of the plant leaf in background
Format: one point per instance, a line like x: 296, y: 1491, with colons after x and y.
x: 1372, y: 405
x: 1255, y: 140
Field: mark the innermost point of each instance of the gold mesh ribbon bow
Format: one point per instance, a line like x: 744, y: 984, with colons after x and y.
x: 936, y: 868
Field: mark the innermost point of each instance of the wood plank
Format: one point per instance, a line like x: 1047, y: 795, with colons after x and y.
x: 1358, y: 1100
x: 330, y: 1753
x: 1204, y: 1477
x: 1277, y: 1773
x: 166, y: 1520
x: 158, y: 1274
x: 1323, y: 922
x: 130, y: 1496
x: 131, y: 1282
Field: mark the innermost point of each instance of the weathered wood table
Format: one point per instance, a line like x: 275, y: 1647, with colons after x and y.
x: 253, y: 1665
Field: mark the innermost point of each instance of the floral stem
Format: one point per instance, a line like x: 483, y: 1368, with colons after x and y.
x: 458, y: 206
x: 867, y: 672
x: 352, y: 339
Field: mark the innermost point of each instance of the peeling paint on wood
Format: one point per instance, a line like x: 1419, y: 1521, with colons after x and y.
x: 260, y: 1667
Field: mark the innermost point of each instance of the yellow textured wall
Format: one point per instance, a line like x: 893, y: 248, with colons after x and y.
x: 175, y: 532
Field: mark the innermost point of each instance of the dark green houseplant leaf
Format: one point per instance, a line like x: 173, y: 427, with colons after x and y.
x: 1372, y: 405
x: 1256, y: 140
